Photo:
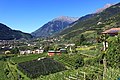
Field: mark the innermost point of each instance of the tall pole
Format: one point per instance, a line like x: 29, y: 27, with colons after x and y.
x: 104, y: 59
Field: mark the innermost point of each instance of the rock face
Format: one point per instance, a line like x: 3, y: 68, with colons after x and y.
x: 7, y: 33
x: 54, y: 26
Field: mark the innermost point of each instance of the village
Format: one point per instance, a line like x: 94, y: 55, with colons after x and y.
x: 25, y: 47
x: 51, y: 46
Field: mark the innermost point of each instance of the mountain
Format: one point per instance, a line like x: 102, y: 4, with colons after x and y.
x: 93, y: 24
x: 70, y: 26
x: 105, y: 7
x: 7, y: 33
x: 54, y: 26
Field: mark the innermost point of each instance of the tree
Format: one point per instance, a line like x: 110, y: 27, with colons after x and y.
x: 46, y: 48
x: 79, y: 62
x: 82, y: 39
x: 15, y: 50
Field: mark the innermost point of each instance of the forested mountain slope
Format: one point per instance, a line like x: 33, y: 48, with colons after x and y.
x: 97, y: 23
x: 7, y: 33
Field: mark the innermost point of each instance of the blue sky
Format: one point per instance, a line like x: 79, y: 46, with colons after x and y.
x: 29, y: 15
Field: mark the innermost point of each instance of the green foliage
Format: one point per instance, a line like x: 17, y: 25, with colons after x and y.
x: 82, y: 39
x: 82, y: 73
x: 46, y: 48
x: 113, y: 74
x: 79, y: 62
x: 6, y: 71
x: 3, y: 73
x: 113, y: 52
x: 96, y: 61
x: 69, y: 60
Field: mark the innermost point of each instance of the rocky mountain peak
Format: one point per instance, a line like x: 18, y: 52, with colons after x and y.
x: 54, y: 26
x: 66, y: 18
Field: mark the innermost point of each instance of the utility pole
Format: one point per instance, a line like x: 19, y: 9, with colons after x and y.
x: 104, y: 59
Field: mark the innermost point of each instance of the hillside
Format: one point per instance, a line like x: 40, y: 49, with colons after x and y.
x: 98, y: 22
x: 7, y: 33
x: 54, y: 26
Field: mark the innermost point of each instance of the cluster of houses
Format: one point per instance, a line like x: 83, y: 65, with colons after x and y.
x: 37, y: 51
x: 52, y: 52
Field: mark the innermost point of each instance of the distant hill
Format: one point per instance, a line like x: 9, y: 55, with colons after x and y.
x: 54, y: 26
x: 7, y: 33
x: 96, y: 23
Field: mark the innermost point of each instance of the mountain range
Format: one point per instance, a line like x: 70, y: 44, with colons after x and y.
x: 59, y: 25
x: 71, y: 27
x: 7, y: 33
x: 53, y: 27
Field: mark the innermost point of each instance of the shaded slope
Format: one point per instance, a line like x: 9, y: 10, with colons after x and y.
x: 7, y: 33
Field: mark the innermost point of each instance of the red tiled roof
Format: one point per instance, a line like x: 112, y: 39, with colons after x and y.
x: 112, y: 31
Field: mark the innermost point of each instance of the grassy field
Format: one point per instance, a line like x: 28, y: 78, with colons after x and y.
x: 23, y: 58
x: 85, y: 48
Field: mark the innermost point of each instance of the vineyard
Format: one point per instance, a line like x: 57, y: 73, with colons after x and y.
x: 83, y: 65
x: 84, y: 73
x: 45, y: 66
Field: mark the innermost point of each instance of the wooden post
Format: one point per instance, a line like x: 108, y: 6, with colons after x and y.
x: 105, y: 68
x: 84, y: 76
x: 70, y: 50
